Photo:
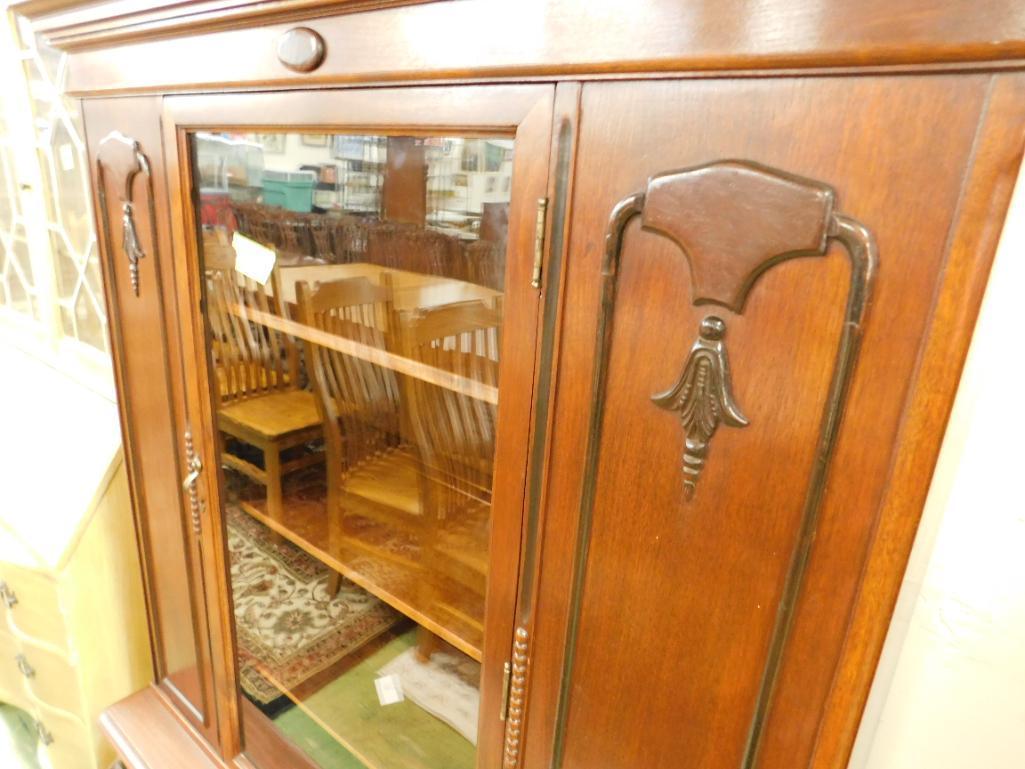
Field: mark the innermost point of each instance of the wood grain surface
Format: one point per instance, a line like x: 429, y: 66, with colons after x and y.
x: 679, y: 599
x: 525, y: 113
x: 487, y: 39
x: 144, y: 330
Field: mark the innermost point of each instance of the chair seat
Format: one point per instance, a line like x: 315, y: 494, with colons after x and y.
x: 273, y: 415
x: 390, y: 480
x: 469, y: 554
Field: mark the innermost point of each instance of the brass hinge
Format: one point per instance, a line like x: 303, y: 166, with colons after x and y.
x: 506, y: 677
x: 539, y: 242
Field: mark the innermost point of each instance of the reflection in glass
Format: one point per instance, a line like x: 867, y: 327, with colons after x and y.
x: 354, y: 313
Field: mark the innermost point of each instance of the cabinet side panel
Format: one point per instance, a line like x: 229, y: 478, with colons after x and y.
x: 973, y: 241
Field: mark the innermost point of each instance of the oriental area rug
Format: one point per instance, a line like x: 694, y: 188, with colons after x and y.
x: 289, y: 629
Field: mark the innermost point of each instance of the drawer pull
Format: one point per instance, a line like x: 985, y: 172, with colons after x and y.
x: 7, y: 595
x: 301, y: 49
x: 26, y: 670
x: 44, y: 734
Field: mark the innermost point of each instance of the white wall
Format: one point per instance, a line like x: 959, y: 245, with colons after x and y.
x: 950, y: 689
x: 296, y: 154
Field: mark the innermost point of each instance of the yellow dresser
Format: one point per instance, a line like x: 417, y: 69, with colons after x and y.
x: 73, y: 634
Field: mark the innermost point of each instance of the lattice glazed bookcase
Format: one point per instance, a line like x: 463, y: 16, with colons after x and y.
x: 49, y: 268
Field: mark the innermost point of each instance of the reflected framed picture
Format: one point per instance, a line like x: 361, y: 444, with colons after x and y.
x: 273, y: 144
x: 349, y: 147
x: 315, y: 140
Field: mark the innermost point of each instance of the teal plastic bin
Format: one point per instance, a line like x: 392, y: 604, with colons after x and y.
x: 292, y: 190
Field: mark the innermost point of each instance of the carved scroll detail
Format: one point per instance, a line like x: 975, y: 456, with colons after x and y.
x: 703, y: 397
x: 517, y: 698
x: 121, y: 155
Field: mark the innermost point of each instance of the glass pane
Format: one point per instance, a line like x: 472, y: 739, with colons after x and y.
x: 68, y: 198
x: 16, y: 286
x: 354, y: 310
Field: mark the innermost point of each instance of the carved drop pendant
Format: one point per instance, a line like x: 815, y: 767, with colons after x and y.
x: 703, y: 398
x: 131, y: 245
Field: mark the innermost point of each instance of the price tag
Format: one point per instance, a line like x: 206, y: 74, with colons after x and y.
x: 252, y: 259
x: 389, y: 690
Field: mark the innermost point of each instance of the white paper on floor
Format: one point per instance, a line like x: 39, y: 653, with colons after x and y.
x: 437, y: 689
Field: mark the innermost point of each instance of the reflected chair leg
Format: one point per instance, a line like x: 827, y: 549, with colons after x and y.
x: 426, y: 643
x: 334, y: 534
x: 334, y: 584
x: 272, y: 469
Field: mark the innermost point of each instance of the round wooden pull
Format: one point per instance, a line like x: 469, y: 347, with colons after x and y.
x: 301, y: 49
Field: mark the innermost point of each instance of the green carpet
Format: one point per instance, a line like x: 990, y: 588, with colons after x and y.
x: 17, y: 739
x: 399, y: 736
x: 315, y: 742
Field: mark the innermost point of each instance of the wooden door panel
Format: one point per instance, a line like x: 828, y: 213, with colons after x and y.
x: 679, y: 598
x: 131, y: 210
x: 520, y: 113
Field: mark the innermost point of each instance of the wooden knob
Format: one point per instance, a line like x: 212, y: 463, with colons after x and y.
x: 301, y: 49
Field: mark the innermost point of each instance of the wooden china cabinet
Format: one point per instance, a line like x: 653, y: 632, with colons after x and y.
x: 545, y: 385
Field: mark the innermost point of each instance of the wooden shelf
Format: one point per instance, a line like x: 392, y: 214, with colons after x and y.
x: 438, y: 603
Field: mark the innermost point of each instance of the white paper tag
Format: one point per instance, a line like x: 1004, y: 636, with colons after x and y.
x: 389, y: 690
x: 252, y: 259
x: 67, y: 157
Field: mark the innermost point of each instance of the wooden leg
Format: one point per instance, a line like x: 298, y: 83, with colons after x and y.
x: 426, y: 643
x: 272, y: 467
x: 334, y: 584
x: 334, y: 514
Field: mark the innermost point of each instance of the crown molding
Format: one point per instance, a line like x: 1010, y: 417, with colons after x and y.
x: 72, y: 25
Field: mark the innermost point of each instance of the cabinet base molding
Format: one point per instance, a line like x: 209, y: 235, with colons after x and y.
x: 147, y: 733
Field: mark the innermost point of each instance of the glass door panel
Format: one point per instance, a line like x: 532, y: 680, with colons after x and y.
x: 354, y: 290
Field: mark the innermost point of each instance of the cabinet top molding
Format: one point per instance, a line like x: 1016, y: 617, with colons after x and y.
x: 125, y: 46
x: 72, y: 24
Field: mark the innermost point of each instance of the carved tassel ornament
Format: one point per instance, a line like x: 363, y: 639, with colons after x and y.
x: 130, y: 244
x: 119, y: 162
x: 703, y: 398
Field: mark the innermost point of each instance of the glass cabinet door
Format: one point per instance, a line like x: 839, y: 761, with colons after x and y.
x: 355, y: 326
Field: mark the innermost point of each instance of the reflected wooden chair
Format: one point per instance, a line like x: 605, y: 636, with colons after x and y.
x: 413, y: 248
x: 257, y: 368
x: 453, y: 435
x: 419, y: 464
x: 370, y: 471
